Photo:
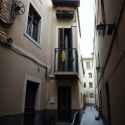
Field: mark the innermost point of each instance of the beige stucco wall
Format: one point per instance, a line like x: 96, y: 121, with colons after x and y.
x: 53, y: 84
x: 114, y: 72
x: 52, y: 93
x: 16, y: 69
x: 22, y: 40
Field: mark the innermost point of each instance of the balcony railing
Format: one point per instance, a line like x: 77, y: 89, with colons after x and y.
x: 69, y: 3
x: 66, y: 61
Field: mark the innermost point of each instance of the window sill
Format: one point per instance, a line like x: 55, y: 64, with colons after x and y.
x: 32, y: 40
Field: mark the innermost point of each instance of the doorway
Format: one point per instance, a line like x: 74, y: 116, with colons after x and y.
x: 100, y: 102
x: 108, y: 102
x: 65, y: 38
x: 65, y: 47
x: 30, y: 99
x: 64, y: 104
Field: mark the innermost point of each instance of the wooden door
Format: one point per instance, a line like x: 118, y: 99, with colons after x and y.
x: 64, y: 103
x: 30, y: 99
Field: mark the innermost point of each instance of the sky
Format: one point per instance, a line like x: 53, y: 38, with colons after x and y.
x: 87, y: 27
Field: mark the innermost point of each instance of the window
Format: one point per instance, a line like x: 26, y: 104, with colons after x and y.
x: 90, y: 75
x: 90, y: 85
x: 65, y: 38
x: 86, y: 94
x: 33, y: 24
x: 88, y: 65
x: 91, y: 95
x: 84, y: 84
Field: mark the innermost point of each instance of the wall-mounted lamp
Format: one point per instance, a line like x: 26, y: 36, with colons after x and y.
x: 105, y: 28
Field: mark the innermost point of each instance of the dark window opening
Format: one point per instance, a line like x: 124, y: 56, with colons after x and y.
x: 33, y: 24
x: 65, y: 46
x: 90, y: 85
x: 65, y: 38
x: 84, y: 84
x: 91, y: 95
x: 90, y: 75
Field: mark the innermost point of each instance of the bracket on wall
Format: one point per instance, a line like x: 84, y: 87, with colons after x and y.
x: 105, y: 28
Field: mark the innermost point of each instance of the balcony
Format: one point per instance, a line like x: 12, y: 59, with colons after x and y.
x: 65, y: 13
x: 9, y: 9
x: 66, y: 3
x: 6, y: 15
x: 66, y: 63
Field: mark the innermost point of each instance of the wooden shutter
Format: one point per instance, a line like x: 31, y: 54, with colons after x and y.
x: 61, y: 38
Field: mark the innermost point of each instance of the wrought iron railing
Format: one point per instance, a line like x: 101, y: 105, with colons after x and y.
x: 66, y: 60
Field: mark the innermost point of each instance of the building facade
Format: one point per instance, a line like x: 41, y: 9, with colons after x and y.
x: 65, y: 80
x: 39, y: 57
x: 109, y: 62
x: 88, y: 81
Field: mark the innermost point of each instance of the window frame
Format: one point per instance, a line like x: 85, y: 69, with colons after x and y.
x: 85, y: 85
x: 36, y: 42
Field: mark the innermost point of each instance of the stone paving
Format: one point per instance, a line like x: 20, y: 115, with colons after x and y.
x: 88, y: 117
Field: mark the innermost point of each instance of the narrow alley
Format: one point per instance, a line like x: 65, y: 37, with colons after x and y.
x: 85, y: 117
x: 89, y: 117
x: 62, y: 62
